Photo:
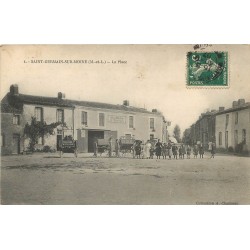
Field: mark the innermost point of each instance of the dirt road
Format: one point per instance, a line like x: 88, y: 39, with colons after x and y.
x: 48, y: 179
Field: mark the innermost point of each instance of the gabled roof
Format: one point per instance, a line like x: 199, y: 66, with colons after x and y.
x: 53, y: 101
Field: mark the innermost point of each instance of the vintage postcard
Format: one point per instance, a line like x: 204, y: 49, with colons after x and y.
x: 125, y: 124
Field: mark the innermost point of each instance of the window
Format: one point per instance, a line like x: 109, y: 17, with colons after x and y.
x: 16, y: 119
x: 244, y: 136
x: 226, y: 139
x: 236, y: 117
x: 2, y: 140
x: 60, y: 115
x: 131, y: 121
x: 236, y: 137
x: 227, y: 120
x: 40, y: 140
x: 152, y: 123
x: 39, y: 114
x: 101, y: 119
x: 220, y: 138
x: 84, y: 118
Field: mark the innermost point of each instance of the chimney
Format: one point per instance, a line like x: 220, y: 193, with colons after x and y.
x: 126, y: 102
x: 14, y: 89
x: 154, y: 110
x: 61, y: 95
x: 241, y: 102
x: 221, y: 108
x: 235, y: 104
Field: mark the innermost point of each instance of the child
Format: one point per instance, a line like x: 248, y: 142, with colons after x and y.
x: 201, y: 151
x: 213, y: 150
x: 138, y: 150
x: 142, y: 150
x: 180, y: 152
x: 188, y: 152
x: 195, y: 151
x: 183, y: 151
x: 164, y: 150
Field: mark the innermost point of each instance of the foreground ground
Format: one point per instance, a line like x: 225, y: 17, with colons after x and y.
x: 48, y: 179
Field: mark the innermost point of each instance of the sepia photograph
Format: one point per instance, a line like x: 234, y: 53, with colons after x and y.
x: 125, y: 124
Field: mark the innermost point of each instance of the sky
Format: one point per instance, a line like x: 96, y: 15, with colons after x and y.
x: 150, y: 76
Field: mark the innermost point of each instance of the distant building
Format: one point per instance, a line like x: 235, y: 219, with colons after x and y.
x: 203, y: 130
x: 88, y: 120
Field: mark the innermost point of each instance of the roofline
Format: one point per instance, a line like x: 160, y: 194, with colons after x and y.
x: 77, y: 104
x: 49, y: 104
x: 119, y: 110
x: 229, y: 110
x: 232, y: 109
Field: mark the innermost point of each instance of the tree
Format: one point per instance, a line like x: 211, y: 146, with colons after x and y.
x: 187, y: 136
x: 37, y: 129
x: 177, y: 133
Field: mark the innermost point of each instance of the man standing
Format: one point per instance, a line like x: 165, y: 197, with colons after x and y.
x: 110, y: 146
x: 117, y: 148
x: 95, y: 147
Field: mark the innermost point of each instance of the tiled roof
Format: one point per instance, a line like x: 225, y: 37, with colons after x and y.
x: 53, y: 101
x: 7, y: 108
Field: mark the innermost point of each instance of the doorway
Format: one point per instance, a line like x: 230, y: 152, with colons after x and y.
x: 16, y: 144
x: 58, y: 142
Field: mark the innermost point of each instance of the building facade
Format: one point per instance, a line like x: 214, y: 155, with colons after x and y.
x: 233, y: 126
x: 203, y: 130
x: 228, y: 128
x: 87, y: 120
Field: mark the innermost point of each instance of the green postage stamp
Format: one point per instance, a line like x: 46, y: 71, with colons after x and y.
x: 207, y: 69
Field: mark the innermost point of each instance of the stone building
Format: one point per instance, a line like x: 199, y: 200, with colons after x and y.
x: 87, y: 120
x: 226, y: 127
x: 233, y: 126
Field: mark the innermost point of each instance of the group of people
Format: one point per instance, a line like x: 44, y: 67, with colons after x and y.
x: 166, y: 150
x: 169, y: 150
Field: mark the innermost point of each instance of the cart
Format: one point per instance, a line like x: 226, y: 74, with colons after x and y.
x: 103, y: 146
x: 126, y: 145
x: 68, y: 144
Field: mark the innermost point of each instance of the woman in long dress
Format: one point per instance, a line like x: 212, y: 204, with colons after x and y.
x: 158, y: 147
x: 213, y: 150
x: 138, y: 150
x: 147, y: 148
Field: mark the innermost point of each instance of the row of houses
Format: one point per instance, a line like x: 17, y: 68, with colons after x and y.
x: 87, y: 120
x: 228, y: 128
